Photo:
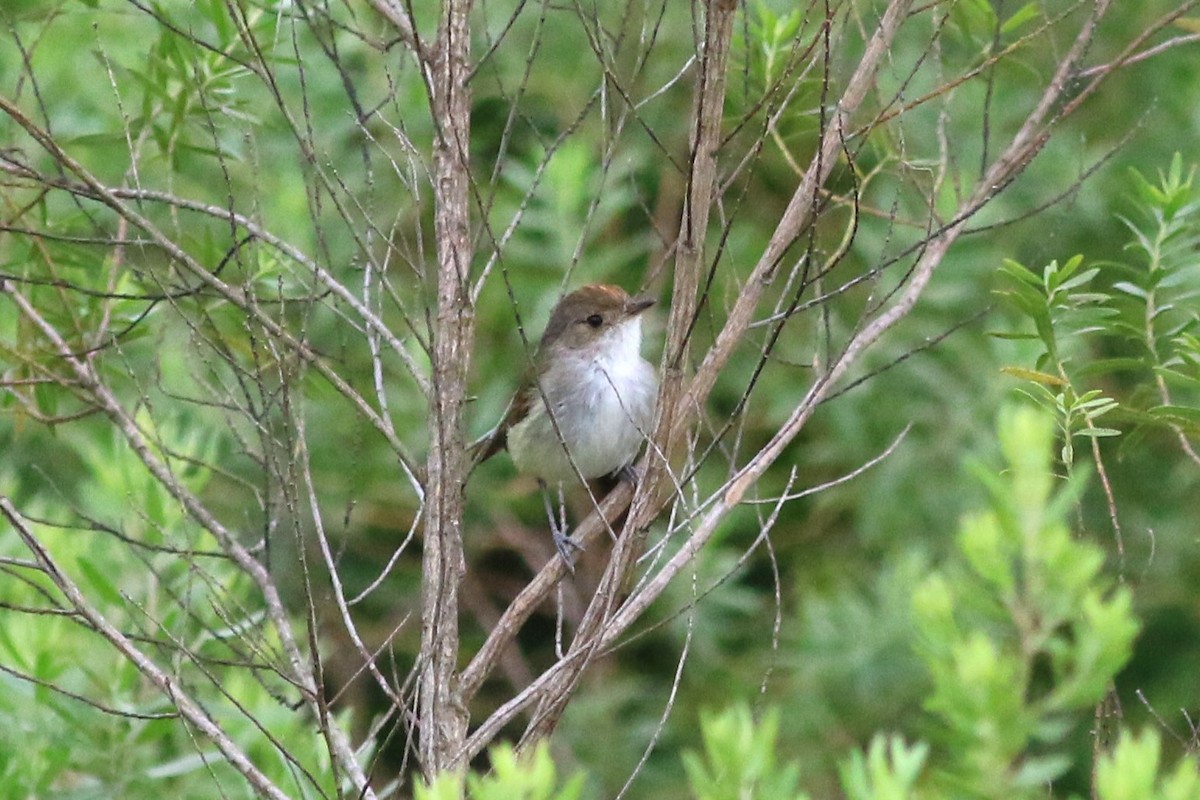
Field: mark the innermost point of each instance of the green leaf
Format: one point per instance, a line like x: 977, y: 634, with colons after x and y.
x: 100, y: 581
x: 1079, y: 280
x: 1130, y: 289
x: 1184, y: 782
x: 446, y: 786
x: 1098, y: 432
x: 1034, y: 375
x: 888, y: 771
x: 1040, y: 771
x: 1020, y: 272
x: 1025, y: 14
x: 739, y: 758
x: 988, y: 551
x: 1129, y: 772
x: 1013, y: 336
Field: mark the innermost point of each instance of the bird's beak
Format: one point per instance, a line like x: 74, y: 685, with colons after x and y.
x: 637, y: 305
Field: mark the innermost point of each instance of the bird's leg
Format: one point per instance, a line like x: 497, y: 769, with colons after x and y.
x: 558, y: 526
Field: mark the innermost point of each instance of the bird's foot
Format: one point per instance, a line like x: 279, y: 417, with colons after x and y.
x: 629, y: 474
x: 567, y: 548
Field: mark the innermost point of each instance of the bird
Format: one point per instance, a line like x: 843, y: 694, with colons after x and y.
x: 586, y: 406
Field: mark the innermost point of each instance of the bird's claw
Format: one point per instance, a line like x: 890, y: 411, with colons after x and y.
x: 567, y: 548
x: 629, y: 474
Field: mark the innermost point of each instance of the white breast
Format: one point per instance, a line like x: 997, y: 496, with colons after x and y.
x: 602, y: 406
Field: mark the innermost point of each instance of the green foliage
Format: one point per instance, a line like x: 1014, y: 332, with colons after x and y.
x: 1022, y: 634
x: 977, y: 21
x: 739, y: 759
x: 767, y: 50
x: 770, y: 39
x: 1056, y: 303
x: 532, y: 777
x: 1132, y: 772
x: 107, y: 78
x: 1061, y: 310
x: 570, y: 198
x: 1028, y: 637
x: 1159, y: 292
x: 1152, y: 312
x: 56, y: 745
x: 888, y: 771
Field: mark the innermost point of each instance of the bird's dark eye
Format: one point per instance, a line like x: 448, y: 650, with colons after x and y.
x: 595, y: 320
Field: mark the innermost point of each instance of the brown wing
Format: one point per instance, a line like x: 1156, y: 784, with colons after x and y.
x: 562, y: 316
x: 497, y: 440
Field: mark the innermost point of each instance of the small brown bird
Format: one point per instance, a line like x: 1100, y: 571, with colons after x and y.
x: 588, y: 406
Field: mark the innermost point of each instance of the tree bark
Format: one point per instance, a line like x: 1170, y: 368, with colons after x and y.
x: 443, y: 716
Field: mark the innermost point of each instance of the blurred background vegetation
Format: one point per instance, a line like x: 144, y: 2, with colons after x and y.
x: 819, y: 625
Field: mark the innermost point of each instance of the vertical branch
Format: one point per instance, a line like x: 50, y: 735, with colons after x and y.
x: 443, y: 716
x: 689, y: 262
x: 689, y: 255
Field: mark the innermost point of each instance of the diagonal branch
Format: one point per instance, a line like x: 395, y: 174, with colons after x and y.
x: 400, y: 17
x: 299, y: 673
x: 189, y: 709
x: 801, y: 208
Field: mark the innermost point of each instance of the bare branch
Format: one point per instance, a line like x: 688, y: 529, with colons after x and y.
x: 170, y: 687
x: 400, y: 17
x: 443, y: 717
